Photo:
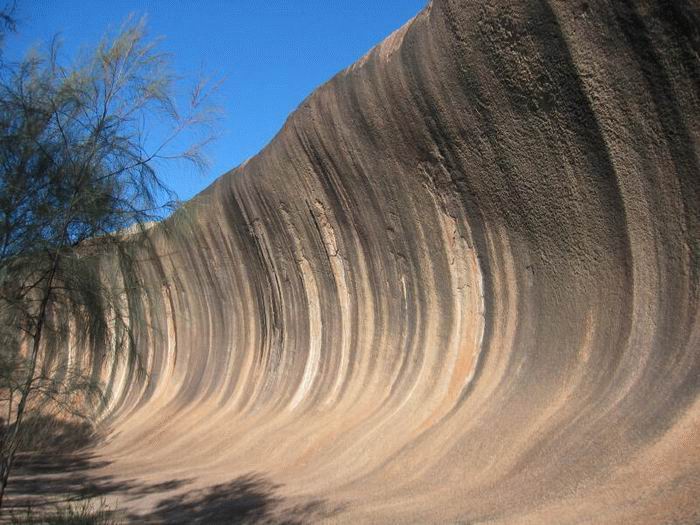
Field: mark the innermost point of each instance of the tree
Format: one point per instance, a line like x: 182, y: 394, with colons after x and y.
x: 79, y: 184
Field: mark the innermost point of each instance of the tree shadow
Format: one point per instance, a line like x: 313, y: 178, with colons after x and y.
x: 43, y: 480
x: 55, y: 463
x: 248, y: 499
x: 63, y: 468
x: 58, y: 465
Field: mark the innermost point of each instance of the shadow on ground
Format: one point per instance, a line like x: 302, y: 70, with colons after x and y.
x: 56, y: 464
x: 248, y: 499
x: 68, y: 471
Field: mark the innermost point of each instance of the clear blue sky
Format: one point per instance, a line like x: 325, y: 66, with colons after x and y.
x: 272, y: 53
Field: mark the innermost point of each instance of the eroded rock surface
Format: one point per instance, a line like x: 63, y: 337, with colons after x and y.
x: 460, y: 285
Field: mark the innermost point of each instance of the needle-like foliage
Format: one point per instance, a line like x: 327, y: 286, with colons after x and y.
x: 80, y: 164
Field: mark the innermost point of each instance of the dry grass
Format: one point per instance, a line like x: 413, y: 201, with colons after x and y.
x: 88, y: 512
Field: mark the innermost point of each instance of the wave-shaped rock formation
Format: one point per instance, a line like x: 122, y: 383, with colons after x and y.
x: 460, y: 285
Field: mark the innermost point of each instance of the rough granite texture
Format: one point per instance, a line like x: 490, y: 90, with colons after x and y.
x: 460, y: 285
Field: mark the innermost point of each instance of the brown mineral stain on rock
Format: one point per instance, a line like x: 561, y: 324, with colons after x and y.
x: 460, y: 285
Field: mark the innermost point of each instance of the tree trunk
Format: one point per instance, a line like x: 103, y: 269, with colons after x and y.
x: 7, y: 455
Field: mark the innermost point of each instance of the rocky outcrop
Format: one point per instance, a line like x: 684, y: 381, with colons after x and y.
x: 461, y: 284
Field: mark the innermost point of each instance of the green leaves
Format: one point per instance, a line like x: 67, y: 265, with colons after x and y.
x: 81, y: 148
